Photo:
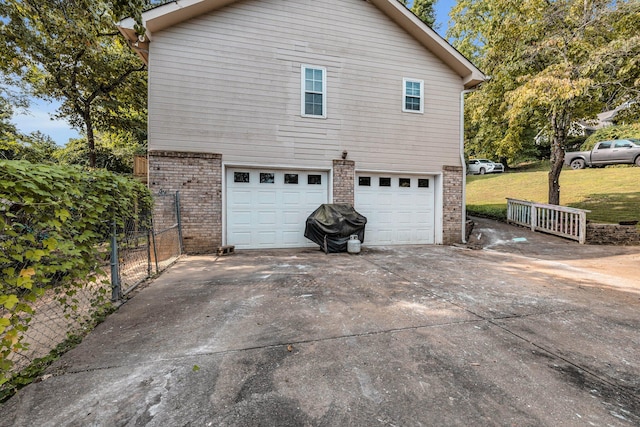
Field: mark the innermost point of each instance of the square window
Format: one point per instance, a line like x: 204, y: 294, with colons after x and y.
x: 423, y: 183
x: 314, y: 179
x: 290, y: 178
x: 241, y: 177
x: 413, y: 96
x: 385, y: 182
x: 405, y: 182
x: 267, y: 178
x: 364, y: 181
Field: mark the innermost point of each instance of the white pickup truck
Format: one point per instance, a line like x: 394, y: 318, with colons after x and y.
x: 616, y: 152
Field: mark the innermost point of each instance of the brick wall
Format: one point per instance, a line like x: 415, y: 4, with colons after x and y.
x: 452, y: 204
x: 612, y: 234
x: 343, y: 181
x: 198, y: 178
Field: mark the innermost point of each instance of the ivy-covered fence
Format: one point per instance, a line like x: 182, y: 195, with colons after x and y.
x: 56, y: 229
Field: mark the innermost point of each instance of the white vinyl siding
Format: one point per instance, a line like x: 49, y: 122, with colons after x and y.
x: 203, y: 76
x: 413, y: 96
x: 314, y: 92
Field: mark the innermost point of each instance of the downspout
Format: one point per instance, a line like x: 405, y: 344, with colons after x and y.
x: 464, y: 165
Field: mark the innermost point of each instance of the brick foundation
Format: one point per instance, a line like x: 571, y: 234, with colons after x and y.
x: 612, y: 234
x: 343, y: 181
x: 452, y: 177
x: 198, y: 178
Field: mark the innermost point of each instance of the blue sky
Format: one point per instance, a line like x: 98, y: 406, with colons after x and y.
x: 38, y: 118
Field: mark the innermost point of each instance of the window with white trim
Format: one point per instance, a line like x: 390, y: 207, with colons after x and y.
x: 314, y: 92
x: 413, y: 96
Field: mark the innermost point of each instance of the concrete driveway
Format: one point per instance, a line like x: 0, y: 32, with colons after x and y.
x: 405, y: 336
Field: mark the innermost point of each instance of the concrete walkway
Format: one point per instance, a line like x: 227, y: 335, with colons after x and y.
x: 403, y: 336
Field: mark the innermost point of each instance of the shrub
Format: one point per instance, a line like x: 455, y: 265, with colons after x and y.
x: 53, y: 220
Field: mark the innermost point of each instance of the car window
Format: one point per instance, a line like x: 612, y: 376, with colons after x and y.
x: 622, y: 144
x: 485, y: 161
x: 604, y: 145
x: 473, y: 162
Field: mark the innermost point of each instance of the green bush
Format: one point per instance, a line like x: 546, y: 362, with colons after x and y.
x: 53, y: 221
x: 497, y: 212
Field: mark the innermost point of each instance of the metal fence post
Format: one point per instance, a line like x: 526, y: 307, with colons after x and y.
x: 155, y: 247
x: 179, y: 220
x: 149, y: 233
x: 115, y: 269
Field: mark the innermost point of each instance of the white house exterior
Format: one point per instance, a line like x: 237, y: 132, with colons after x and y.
x: 261, y: 110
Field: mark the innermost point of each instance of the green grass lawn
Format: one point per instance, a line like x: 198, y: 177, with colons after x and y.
x: 612, y: 194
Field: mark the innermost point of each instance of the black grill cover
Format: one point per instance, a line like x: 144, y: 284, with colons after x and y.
x: 331, y: 225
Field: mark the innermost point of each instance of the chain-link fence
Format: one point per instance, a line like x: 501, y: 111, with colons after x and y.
x: 135, y: 251
x: 146, y: 247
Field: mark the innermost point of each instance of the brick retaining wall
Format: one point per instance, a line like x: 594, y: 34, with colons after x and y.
x: 198, y: 178
x: 612, y: 234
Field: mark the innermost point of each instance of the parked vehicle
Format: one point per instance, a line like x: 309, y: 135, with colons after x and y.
x: 604, y: 153
x: 482, y: 166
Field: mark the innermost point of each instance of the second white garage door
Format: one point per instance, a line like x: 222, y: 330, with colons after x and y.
x: 399, y: 208
x: 269, y: 208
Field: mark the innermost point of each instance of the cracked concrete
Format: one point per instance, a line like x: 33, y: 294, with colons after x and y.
x: 406, y: 336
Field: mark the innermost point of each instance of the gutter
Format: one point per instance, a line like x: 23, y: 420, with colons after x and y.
x: 464, y: 164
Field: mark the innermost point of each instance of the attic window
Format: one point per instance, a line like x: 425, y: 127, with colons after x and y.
x: 314, y: 92
x: 413, y: 96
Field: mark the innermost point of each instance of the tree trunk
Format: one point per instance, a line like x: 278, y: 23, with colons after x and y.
x: 90, y: 138
x: 559, y: 128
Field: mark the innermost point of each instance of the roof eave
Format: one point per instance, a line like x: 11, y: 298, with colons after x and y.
x: 177, y: 11
x: 137, y: 44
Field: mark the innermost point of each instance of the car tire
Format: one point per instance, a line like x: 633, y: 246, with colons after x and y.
x: 482, y: 171
x: 577, y: 164
x: 637, y: 162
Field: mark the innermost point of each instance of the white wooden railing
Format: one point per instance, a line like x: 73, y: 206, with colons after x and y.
x: 559, y: 220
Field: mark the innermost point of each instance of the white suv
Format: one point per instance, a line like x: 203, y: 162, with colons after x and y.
x: 482, y: 166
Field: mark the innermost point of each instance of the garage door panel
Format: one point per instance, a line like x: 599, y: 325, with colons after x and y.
x: 291, y: 237
x: 243, y: 198
x: 242, y: 218
x: 267, y: 218
x: 396, y: 214
x: 270, y: 210
x: 291, y: 198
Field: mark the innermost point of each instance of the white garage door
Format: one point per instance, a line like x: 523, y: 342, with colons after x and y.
x: 399, y: 208
x: 269, y: 208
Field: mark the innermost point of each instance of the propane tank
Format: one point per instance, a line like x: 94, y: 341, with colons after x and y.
x: 353, y: 244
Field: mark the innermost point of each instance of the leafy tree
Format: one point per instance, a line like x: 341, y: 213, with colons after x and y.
x: 35, y: 147
x: 612, y: 132
x: 424, y: 9
x: 552, y: 62
x: 114, y: 151
x: 69, y: 50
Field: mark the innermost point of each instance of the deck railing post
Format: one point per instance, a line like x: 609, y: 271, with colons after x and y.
x: 534, y: 216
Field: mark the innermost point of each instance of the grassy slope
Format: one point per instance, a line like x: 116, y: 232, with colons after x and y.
x: 612, y: 194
